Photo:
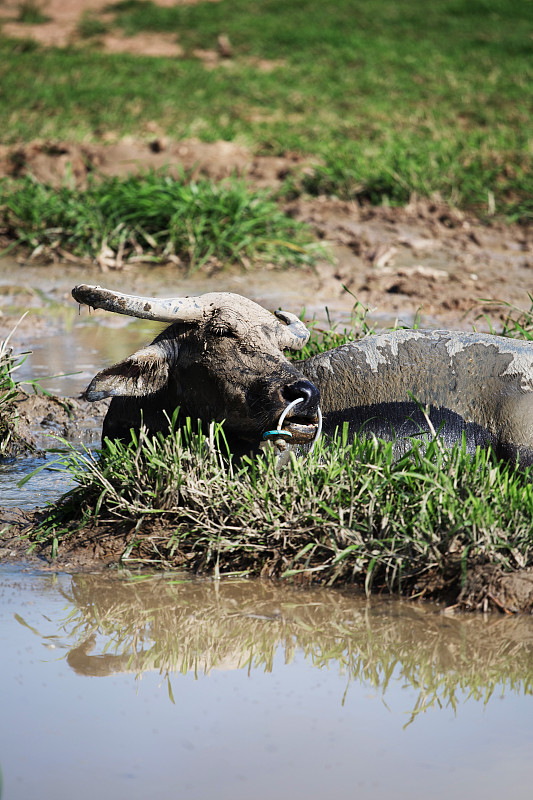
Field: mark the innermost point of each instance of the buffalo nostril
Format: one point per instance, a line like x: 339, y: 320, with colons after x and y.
x: 304, y: 389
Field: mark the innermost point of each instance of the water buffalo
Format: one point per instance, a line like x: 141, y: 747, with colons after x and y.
x: 222, y: 359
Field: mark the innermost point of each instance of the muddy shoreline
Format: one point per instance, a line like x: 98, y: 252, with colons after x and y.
x: 484, y: 588
x: 103, y: 546
x: 426, y: 259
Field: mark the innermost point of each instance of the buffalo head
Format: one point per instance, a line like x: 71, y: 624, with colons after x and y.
x: 220, y: 359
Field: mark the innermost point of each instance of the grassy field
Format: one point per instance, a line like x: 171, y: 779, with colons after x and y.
x: 394, y: 96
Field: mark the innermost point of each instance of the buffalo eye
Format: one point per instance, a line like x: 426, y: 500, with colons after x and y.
x: 219, y: 328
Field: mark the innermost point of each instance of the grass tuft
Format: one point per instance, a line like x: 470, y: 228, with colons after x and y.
x: 91, y: 26
x: 8, y: 394
x: 514, y: 322
x: 31, y: 12
x: 154, y: 217
x: 332, y: 335
x: 10, y: 441
x: 352, y: 512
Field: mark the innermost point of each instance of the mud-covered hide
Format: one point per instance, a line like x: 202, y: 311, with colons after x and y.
x: 413, y: 382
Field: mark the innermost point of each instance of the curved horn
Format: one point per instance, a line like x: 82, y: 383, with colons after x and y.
x: 172, y: 309
x: 295, y: 335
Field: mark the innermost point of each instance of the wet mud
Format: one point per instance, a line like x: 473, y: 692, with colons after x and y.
x: 426, y: 258
x: 41, y: 416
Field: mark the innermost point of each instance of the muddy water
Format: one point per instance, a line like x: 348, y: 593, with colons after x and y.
x: 114, y: 688
x: 236, y: 690
x: 68, y: 345
x: 47, y: 485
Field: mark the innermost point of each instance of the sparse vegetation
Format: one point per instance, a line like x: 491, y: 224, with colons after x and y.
x: 517, y: 323
x: 31, y: 13
x: 326, y: 337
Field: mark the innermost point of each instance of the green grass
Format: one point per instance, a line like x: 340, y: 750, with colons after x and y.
x: 351, y: 512
x: 31, y: 13
x: 91, y: 26
x: 8, y: 393
x: 11, y: 443
x: 514, y: 322
x: 154, y: 217
x: 327, y: 336
x: 395, y: 96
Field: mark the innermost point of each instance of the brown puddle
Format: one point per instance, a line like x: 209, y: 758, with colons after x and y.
x: 238, y: 689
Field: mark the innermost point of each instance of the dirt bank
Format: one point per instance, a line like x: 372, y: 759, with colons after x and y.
x: 40, y: 416
x: 485, y: 588
x: 426, y: 257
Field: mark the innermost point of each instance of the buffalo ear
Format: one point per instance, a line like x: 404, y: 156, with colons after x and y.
x: 142, y: 373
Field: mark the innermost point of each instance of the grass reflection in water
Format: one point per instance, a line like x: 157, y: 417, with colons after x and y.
x: 160, y: 623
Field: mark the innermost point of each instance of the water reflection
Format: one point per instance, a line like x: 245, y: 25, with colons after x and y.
x: 114, y: 626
